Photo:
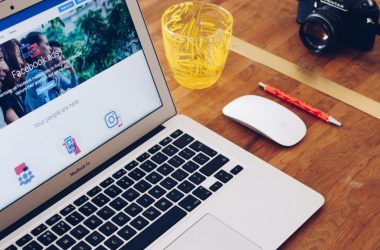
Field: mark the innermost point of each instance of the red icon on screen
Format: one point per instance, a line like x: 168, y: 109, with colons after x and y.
x: 71, y: 145
x: 25, y: 175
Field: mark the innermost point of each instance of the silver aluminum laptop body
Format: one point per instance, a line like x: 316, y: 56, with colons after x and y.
x: 259, y: 208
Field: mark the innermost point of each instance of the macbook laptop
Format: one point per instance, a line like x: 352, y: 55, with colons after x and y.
x: 94, y: 156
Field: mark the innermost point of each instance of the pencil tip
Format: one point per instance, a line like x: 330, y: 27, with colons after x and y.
x: 334, y: 121
x: 261, y: 84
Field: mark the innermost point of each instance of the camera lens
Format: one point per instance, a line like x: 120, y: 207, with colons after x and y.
x: 12, y: 7
x: 321, y: 31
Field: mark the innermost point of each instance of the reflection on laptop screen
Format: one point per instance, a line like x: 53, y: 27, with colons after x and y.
x: 71, y: 78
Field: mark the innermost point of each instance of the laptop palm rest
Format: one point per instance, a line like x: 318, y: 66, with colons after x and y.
x: 209, y: 233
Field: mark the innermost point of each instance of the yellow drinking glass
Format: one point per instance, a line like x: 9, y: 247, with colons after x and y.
x: 197, y: 38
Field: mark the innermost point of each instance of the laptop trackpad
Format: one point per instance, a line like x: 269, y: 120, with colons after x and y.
x: 209, y: 233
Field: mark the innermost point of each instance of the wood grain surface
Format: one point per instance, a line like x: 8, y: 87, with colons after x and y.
x: 343, y: 164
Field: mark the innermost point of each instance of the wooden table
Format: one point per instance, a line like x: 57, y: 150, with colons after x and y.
x: 343, y: 164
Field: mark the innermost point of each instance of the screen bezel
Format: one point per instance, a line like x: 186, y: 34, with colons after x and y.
x: 93, y: 160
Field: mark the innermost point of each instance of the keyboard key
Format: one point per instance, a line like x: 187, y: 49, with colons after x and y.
x: 33, y: 245
x: 214, y: 165
x: 54, y: 219
x: 186, y: 187
x: 125, y: 182
x: 94, y: 191
x: 236, y: 170
x: 154, y: 149
x: 108, y: 228
x: 74, y: 219
x: 133, y: 209
x: 163, y: 204
x: 170, y: 150
x: 47, y: 238
x: 11, y: 247
x: 66, y: 242
x: 126, y: 233
x: 119, y: 174
x: 168, y: 183
x: 157, y: 192
x: 156, y: 229
x: 53, y: 247
x: 95, y: 239
x: 200, y: 147
x: 142, y: 186
x: 216, y: 186
x: 223, y: 176
x: 145, y: 200
x: 154, y: 177
x: 165, y: 141
x: 143, y: 157
x: 100, y: 200
x: 121, y: 219
x: 113, y: 191
x: 114, y: 242
x: 165, y: 169
x: 25, y: 239
x: 39, y: 230
x: 148, y: 166
x: 176, y: 133
x: 139, y: 223
x: 183, y: 141
x: 80, y: 201
x: 186, y: 153
x: 197, y: 178
x: 67, y: 210
x: 175, y: 195
x: 130, y: 194
x: 61, y: 228
x: 201, y: 158
x: 131, y: 165
x: 79, y: 232
x: 136, y: 174
x: 87, y: 209
x: 176, y: 161
x: 151, y: 213
x: 189, y: 203
x: 101, y: 247
x: 118, y: 204
x: 159, y: 158
x: 106, y: 213
x: 202, y: 193
x: 180, y: 175
x: 81, y: 246
x: 107, y: 182
x: 93, y: 222
x: 190, y: 166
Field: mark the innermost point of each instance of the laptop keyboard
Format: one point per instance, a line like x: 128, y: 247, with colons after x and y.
x: 138, y: 203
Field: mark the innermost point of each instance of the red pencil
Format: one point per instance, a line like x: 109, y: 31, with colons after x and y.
x: 300, y: 104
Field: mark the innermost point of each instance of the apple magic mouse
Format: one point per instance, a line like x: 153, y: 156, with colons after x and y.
x: 267, y: 118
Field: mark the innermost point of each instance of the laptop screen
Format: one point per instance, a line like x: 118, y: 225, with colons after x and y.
x: 73, y: 75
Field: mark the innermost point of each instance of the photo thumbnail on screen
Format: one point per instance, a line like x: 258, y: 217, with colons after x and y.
x: 61, y: 54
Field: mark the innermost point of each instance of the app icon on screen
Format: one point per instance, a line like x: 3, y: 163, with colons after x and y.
x: 113, y: 119
x: 71, y: 146
x: 30, y: 51
x: 25, y: 175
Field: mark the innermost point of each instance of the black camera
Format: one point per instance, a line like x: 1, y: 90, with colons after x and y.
x: 327, y: 24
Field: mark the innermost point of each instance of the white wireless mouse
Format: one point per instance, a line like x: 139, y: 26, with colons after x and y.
x: 267, y: 118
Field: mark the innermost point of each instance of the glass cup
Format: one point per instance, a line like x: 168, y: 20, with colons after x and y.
x: 197, y: 38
